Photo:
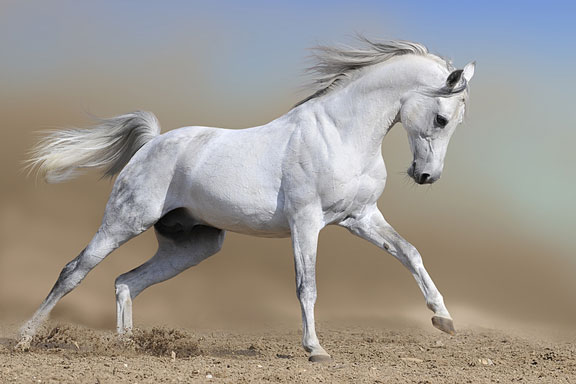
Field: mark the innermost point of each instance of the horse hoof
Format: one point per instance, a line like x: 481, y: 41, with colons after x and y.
x: 320, y: 359
x: 24, y: 344
x: 444, y: 324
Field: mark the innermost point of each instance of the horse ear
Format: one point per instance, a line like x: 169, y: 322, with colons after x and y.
x: 469, y: 70
x: 454, y: 78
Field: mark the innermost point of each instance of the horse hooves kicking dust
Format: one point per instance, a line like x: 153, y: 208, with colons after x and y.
x: 319, y: 164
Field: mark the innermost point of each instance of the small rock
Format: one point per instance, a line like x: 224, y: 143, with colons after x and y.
x: 208, y: 376
x: 412, y: 359
x: 125, y: 365
x: 259, y: 366
x: 173, y: 355
x: 438, y: 344
x: 485, y: 361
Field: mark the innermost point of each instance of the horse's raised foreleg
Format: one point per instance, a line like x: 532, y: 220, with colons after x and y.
x: 305, y: 240
x: 176, y: 253
x: 373, y: 227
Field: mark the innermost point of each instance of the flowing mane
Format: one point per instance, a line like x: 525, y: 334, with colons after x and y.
x: 335, y: 65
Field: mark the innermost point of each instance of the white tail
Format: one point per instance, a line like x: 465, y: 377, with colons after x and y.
x: 110, y: 145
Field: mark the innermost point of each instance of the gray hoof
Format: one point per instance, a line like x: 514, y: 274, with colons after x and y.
x: 320, y: 359
x: 444, y: 324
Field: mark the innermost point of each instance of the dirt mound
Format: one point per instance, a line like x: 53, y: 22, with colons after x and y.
x: 163, y: 342
x: 156, y: 342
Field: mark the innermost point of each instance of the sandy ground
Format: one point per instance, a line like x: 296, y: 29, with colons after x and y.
x: 363, y: 352
x: 479, y: 252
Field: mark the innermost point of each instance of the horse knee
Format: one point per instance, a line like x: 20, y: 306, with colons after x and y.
x: 306, y: 291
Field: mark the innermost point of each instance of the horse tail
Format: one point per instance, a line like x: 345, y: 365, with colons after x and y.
x: 110, y: 144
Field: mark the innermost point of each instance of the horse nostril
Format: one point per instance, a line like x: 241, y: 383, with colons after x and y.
x: 424, y: 177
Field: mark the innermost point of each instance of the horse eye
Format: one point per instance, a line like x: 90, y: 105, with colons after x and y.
x: 440, y: 121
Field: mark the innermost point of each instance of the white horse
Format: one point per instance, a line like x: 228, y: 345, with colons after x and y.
x: 319, y: 164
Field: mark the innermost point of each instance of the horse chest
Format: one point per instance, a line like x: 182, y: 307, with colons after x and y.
x: 350, y: 191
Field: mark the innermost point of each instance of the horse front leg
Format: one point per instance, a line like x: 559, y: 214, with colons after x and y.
x: 373, y: 227
x: 305, y: 240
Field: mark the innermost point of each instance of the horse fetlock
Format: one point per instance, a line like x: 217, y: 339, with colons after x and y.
x: 436, y: 305
x: 312, y: 345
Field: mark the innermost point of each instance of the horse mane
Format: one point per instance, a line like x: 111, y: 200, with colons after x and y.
x: 334, y: 65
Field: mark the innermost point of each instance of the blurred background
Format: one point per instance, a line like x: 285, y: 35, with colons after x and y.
x: 496, y: 232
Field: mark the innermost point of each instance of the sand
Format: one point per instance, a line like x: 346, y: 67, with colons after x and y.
x: 365, y: 353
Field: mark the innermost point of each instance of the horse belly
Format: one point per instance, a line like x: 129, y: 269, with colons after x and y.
x: 237, y: 200
x: 257, y: 217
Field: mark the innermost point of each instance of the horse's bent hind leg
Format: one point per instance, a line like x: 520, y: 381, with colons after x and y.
x: 103, y: 243
x: 373, y: 227
x: 180, y: 246
x: 122, y: 221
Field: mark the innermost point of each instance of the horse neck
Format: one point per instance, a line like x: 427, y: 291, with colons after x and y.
x: 360, y: 113
x: 364, y: 110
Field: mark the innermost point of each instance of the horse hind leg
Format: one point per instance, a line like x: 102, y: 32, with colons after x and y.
x: 71, y: 275
x: 121, y: 223
x: 181, y: 245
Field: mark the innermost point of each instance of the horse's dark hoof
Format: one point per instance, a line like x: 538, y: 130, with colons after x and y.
x: 444, y: 324
x: 320, y: 359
